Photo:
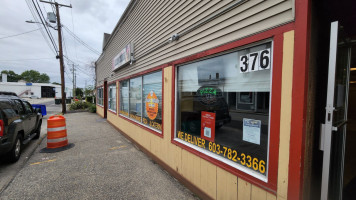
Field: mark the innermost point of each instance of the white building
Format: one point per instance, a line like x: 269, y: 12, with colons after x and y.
x: 25, y: 89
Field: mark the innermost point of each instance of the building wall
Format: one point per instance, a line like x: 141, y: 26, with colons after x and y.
x: 152, y: 22
x: 20, y: 88
x: 245, y: 21
x: 209, y: 178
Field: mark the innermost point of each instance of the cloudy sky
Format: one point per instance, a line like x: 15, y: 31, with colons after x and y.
x: 87, y: 19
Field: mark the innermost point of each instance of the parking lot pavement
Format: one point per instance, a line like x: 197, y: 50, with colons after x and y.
x: 101, y: 165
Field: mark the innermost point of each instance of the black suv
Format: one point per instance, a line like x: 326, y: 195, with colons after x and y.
x: 19, y: 124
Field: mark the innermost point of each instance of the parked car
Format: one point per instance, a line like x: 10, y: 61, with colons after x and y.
x: 19, y: 124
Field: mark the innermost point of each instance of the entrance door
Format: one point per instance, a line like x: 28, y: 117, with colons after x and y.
x: 335, y: 129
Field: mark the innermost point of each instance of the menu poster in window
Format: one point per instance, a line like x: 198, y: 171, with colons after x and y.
x: 208, y: 126
x: 251, y: 130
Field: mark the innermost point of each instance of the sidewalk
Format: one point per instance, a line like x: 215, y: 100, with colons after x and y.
x: 101, y: 165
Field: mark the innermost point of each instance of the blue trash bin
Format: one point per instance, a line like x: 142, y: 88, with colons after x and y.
x: 42, y: 107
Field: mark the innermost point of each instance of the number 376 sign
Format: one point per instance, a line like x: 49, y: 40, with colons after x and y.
x: 255, y: 61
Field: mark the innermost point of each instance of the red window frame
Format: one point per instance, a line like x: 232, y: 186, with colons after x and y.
x: 97, y: 96
x: 110, y: 110
x: 276, y: 35
x: 139, y: 124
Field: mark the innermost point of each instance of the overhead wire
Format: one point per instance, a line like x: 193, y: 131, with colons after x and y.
x: 39, y: 12
x: 80, y: 41
x: 9, y: 36
x: 29, y: 5
x: 75, y: 44
x: 77, y: 66
x: 27, y: 59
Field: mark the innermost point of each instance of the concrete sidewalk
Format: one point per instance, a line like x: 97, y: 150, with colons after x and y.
x: 101, y: 165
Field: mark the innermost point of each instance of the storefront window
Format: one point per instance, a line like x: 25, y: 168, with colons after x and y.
x: 124, y: 98
x: 223, y: 107
x: 112, y: 97
x: 141, y: 99
x: 152, y: 100
x: 135, y: 92
x: 100, y: 96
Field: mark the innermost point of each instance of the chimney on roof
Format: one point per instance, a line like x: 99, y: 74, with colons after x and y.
x: 4, y: 77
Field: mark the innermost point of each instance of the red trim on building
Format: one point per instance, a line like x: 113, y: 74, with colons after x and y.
x: 118, y: 97
x: 277, y: 35
x: 299, y: 98
x: 173, y: 103
x: 138, y: 123
x: 162, y: 92
x: 113, y: 112
x: 100, y: 106
x: 105, y: 102
x: 248, y: 40
x: 112, y: 83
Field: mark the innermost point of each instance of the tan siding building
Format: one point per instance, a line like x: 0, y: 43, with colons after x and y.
x: 222, y: 93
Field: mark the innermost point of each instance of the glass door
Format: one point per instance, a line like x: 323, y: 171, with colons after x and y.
x: 333, y: 135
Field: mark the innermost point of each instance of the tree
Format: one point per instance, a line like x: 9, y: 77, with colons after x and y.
x: 88, y: 91
x: 78, y: 92
x: 34, y: 76
x: 55, y: 83
x: 11, y: 75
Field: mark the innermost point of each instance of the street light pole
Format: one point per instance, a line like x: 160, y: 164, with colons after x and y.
x: 60, y: 52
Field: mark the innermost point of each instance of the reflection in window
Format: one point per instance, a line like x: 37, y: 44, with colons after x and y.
x: 124, y: 97
x: 152, y: 100
x: 146, y: 109
x: 135, y: 98
x: 225, y: 110
x: 112, y: 97
x: 100, y: 96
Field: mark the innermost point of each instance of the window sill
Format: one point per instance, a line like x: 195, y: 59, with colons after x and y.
x: 112, y: 111
x: 147, y: 128
x: 100, y: 105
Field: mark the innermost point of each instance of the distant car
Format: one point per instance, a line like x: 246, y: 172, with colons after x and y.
x: 34, y: 97
x: 19, y: 124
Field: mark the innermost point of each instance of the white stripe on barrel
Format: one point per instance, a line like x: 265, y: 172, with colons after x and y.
x: 56, y: 140
x: 56, y: 129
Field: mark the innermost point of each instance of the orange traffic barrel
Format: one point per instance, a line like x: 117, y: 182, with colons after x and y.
x: 56, y: 132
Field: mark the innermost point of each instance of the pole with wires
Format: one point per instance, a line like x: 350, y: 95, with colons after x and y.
x: 60, y: 56
x: 73, y: 69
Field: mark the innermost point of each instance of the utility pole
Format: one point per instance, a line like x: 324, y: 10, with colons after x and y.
x: 74, y: 76
x: 60, y: 52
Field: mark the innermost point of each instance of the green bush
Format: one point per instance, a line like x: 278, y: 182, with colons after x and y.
x: 79, y: 105
x: 92, y: 108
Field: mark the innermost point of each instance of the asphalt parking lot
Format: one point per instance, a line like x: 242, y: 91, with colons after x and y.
x: 101, y: 165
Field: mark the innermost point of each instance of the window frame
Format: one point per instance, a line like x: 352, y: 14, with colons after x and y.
x: 275, y: 36
x: 114, y: 83
x: 100, y: 90
x: 140, y: 123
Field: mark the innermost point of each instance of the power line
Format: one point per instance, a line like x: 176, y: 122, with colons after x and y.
x: 44, y: 24
x: 20, y: 33
x: 81, y: 41
x: 27, y: 59
x: 75, y: 44
x: 43, y: 34
x: 77, y: 66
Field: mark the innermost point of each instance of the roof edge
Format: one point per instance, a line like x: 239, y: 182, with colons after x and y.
x: 120, y: 22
